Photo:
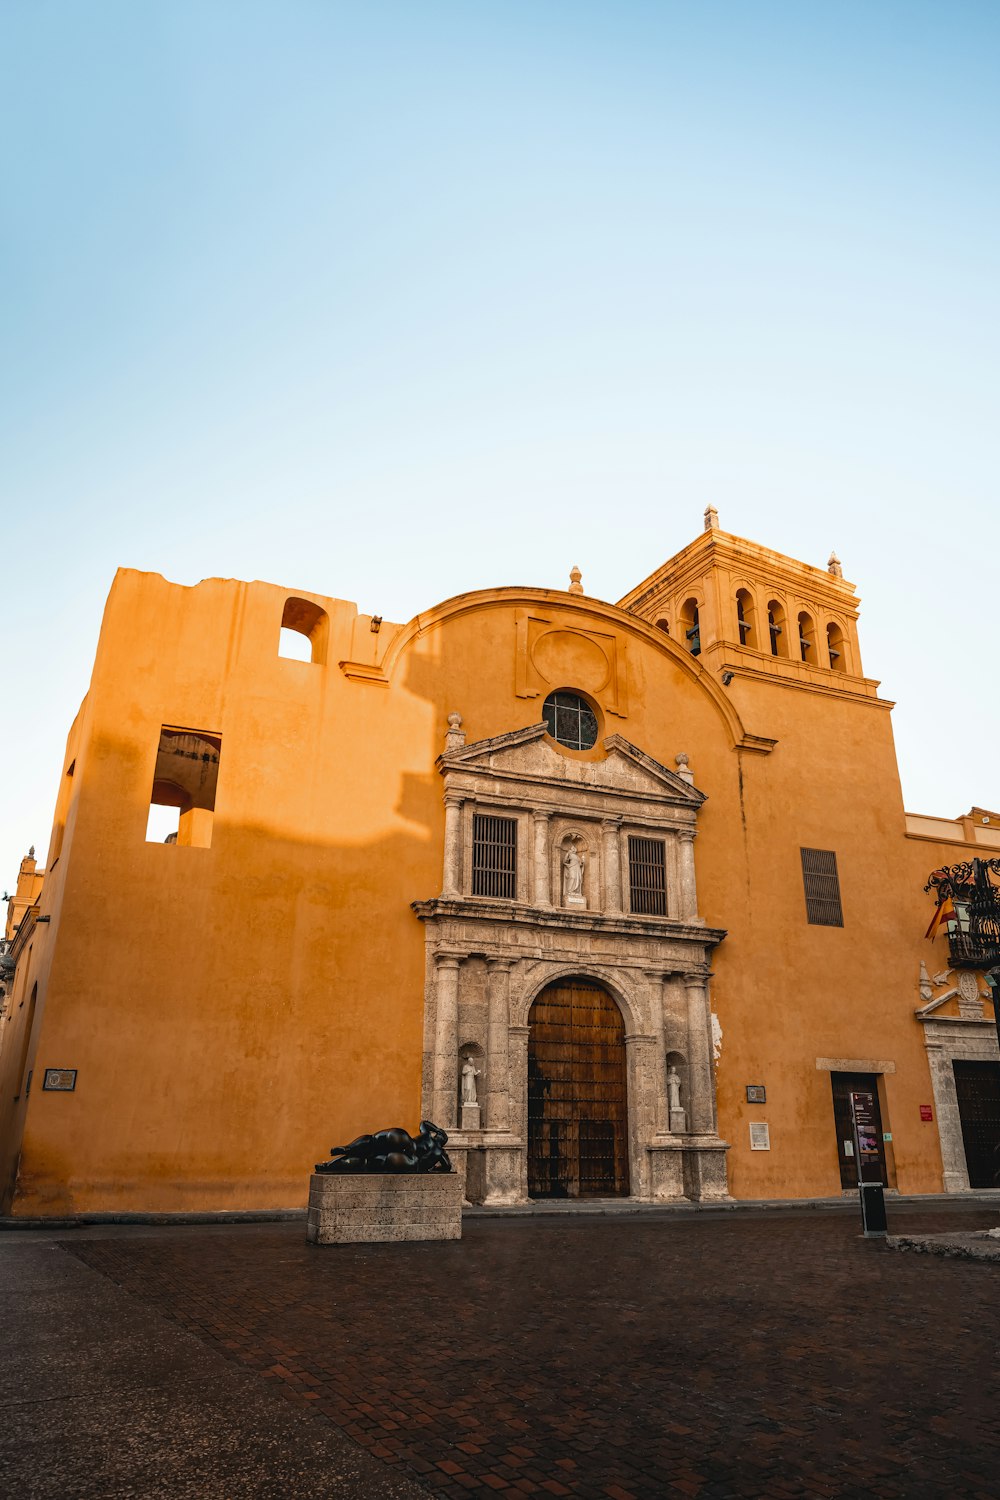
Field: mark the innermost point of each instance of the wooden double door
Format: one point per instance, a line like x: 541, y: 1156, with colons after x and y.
x: 977, y: 1085
x: 577, y: 1097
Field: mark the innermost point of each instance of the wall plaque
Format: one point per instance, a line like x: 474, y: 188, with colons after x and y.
x: 60, y: 1080
x: 926, y: 1113
x: 756, y: 1093
x: 760, y: 1136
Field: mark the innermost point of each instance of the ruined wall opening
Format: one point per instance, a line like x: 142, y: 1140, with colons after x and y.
x: 305, y: 631
x: 185, y: 780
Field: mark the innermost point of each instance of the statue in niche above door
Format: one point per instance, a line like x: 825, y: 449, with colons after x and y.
x: 574, y: 866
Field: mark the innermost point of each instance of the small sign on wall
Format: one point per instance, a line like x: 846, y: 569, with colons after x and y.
x: 926, y: 1113
x: 60, y: 1080
x: 756, y: 1093
x: 760, y: 1136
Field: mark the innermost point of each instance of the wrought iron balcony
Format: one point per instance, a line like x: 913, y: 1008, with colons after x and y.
x: 971, y: 899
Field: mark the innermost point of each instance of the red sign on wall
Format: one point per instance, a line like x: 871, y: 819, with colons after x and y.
x: 926, y: 1113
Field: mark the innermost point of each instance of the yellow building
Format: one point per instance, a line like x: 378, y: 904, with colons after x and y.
x: 623, y: 896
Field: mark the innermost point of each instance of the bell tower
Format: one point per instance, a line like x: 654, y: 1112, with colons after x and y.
x: 744, y: 610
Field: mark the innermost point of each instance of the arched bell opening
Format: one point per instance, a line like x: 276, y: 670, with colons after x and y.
x: 577, y: 1093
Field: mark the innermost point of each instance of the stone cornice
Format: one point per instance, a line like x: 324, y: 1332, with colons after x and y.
x: 718, y: 548
x: 519, y: 914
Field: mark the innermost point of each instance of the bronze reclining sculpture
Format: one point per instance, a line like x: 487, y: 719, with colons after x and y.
x: 393, y: 1150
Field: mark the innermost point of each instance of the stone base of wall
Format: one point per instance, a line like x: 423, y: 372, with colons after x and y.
x: 366, y: 1208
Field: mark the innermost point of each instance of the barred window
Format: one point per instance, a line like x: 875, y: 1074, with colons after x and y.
x: 822, y: 887
x: 647, y: 873
x: 494, y: 856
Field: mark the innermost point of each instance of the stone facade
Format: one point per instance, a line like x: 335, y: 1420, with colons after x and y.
x: 368, y: 1208
x: 487, y: 960
x: 955, y: 1029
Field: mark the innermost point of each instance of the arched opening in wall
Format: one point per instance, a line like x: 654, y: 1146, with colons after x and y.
x: 807, y: 638
x: 835, y: 648
x: 305, y: 631
x: 29, y: 1021
x: 664, y: 625
x: 577, y: 1096
x: 746, y: 619
x: 689, y: 626
x: 776, y: 628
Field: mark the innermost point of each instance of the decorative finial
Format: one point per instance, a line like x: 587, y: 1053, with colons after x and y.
x: 924, y: 983
x: 683, y: 769
x: 455, y: 738
x: 833, y: 566
x: 31, y: 852
x: 575, y: 586
x: 711, y: 518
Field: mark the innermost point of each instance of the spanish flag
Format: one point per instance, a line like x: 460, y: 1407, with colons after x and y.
x: 942, y: 913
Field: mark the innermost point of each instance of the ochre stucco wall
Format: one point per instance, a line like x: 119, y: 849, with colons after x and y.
x: 234, y: 1011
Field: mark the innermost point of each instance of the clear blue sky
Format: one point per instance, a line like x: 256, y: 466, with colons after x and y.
x: 389, y: 301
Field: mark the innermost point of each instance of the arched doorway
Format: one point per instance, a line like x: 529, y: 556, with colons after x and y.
x: 577, y: 1101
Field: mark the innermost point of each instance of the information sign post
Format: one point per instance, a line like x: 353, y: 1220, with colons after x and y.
x: 868, y: 1158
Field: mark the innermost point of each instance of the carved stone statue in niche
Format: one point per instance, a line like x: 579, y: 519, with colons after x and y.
x: 678, y: 1116
x: 471, y: 1115
x: 574, y: 865
x: 469, y: 1075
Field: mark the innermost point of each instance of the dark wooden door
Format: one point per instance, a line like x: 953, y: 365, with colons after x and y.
x: 844, y: 1085
x: 977, y: 1085
x: 577, y: 1104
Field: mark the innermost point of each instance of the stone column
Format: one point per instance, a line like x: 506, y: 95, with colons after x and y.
x: 446, y: 1042
x: 688, y: 894
x: 542, y: 894
x: 518, y: 1059
x: 640, y: 1061
x: 452, y: 885
x: 497, y: 1034
x: 701, y: 1081
x: 661, y: 1114
x: 610, y: 829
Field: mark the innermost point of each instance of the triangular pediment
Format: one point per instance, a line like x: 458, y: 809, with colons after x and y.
x: 530, y: 755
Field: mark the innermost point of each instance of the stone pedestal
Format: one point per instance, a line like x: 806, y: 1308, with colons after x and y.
x: 365, y: 1208
x: 689, y: 1167
x: 470, y: 1117
x: 678, y: 1122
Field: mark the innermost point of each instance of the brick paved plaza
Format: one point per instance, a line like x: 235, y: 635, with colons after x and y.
x: 764, y: 1354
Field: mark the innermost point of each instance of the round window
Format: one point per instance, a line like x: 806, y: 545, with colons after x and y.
x: 570, y: 720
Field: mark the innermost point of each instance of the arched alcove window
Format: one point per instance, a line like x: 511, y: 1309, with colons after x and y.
x: 746, y: 619
x: 776, y: 628
x: 663, y: 625
x: 835, y: 647
x: 807, y: 638
x: 690, y: 627
x: 305, y: 629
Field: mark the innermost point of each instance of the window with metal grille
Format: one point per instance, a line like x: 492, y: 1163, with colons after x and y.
x: 570, y: 720
x: 647, y: 874
x: 494, y: 856
x: 819, y: 876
